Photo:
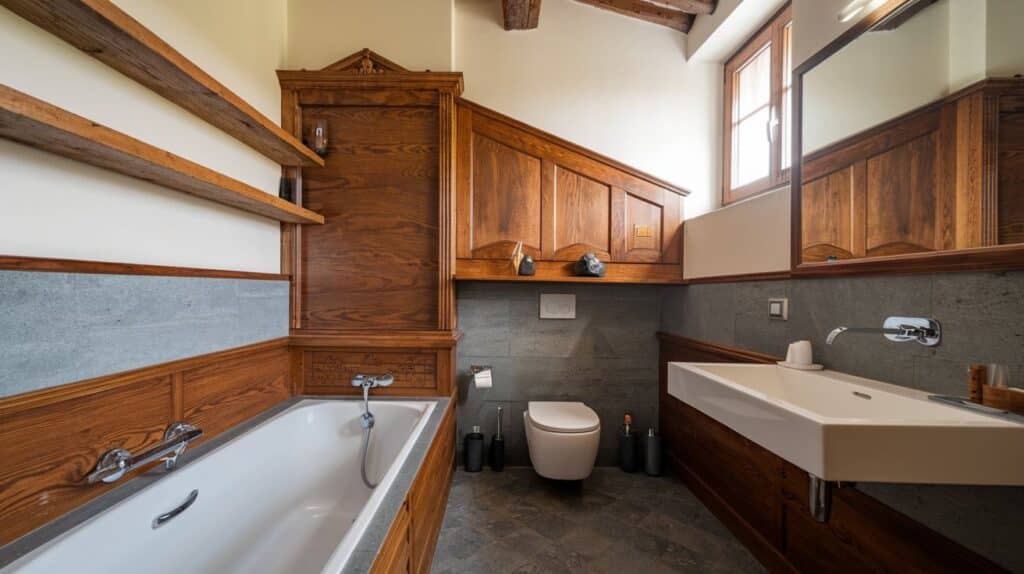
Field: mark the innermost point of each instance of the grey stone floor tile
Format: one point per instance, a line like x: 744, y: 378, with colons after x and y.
x: 517, y: 522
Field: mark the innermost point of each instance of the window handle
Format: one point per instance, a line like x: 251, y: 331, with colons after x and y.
x: 771, y: 124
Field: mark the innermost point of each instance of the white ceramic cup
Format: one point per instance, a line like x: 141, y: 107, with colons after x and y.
x: 799, y: 353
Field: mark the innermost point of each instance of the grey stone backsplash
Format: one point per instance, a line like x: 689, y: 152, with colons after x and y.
x: 982, y: 318
x: 607, y: 357
x: 58, y: 328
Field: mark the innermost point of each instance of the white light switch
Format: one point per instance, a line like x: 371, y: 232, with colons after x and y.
x: 557, y: 306
x: 778, y: 309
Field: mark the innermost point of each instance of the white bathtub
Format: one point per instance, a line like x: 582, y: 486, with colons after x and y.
x: 285, y: 496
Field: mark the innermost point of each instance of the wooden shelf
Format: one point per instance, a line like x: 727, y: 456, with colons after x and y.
x: 562, y: 272
x: 104, y: 31
x: 36, y: 123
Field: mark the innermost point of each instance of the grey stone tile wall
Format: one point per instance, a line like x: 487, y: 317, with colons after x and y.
x: 58, y: 328
x: 607, y: 357
x: 982, y: 317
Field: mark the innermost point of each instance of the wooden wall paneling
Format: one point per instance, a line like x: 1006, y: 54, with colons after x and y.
x: 1010, y: 160
x: 330, y: 370
x: 762, y: 499
x: 581, y: 217
x: 48, y: 450
x: 52, y: 438
x: 220, y: 395
x: 506, y: 200
x: 428, y: 495
x: 618, y: 224
x: 374, y: 264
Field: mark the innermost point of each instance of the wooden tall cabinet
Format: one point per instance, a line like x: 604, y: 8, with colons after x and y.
x: 518, y: 184
x: 372, y: 287
x: 944, y: 177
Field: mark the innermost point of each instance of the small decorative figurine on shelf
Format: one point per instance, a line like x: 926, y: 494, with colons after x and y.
x: 589, y: 266
x: 527, y: 266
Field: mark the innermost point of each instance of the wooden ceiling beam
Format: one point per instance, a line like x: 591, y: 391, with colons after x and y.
x: 521, y: 14
x: 675, y: 19
x: 689, y: 6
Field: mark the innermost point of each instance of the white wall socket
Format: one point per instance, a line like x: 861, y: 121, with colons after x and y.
x: 778, y: 309
x: 557, y: 306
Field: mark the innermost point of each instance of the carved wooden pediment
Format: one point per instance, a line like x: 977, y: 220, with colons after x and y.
x: 365, y: 62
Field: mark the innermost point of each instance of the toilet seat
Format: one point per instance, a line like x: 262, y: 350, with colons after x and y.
x: 563, y: 438
x: 563, y: 417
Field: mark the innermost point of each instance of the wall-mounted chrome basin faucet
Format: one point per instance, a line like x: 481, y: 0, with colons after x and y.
x: 899, y: 329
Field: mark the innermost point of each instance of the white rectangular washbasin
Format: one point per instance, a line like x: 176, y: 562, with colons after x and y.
x: 840, y: 427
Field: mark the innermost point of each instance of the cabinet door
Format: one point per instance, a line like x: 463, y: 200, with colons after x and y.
x: 902, y: 199
x: 578, y: 213
x: 832, y: 222
x: 504, y: 201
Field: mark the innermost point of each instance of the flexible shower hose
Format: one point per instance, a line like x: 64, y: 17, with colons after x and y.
x: 362, y: 469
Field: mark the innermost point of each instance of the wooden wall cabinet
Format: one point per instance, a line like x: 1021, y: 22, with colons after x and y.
x: 516, y: 183
x: 372, y: 288
x: 943, y: 178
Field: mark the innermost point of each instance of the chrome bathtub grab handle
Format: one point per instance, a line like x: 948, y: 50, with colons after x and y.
x: 118, y: 462
x: 172, y: 514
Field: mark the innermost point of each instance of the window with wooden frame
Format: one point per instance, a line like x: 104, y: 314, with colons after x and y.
x: 757, y: 105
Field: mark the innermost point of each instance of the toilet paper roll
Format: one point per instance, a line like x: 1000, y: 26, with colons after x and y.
x: 483, y: 380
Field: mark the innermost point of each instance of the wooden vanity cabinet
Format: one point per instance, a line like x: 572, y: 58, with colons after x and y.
x: 947, y: 176
x: 515, y: 183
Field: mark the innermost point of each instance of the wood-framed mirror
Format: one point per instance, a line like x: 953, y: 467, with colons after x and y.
x: 908, y: 141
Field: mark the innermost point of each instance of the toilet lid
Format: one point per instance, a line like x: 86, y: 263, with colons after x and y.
x: 563, y: 416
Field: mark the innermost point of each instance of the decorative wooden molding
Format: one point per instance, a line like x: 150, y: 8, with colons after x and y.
x: 375, y: 339
x: 520, y: 14
x: 562, y: 272
x: 46, y: 452
x: 741, y: 277
x: 33, y: 122
x: 364, y: 62
x: 654, y: 12
x: 42, y: 264
x: 106, y: 32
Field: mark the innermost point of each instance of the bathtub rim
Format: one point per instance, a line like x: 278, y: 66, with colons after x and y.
x: 362, y: 555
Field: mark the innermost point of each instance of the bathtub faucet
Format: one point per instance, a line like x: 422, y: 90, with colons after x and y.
x: 367, y: 382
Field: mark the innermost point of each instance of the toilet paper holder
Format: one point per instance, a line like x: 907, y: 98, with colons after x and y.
x: 477, y: 369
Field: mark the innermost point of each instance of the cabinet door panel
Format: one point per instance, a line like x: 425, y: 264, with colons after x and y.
x: 1011, y: 170
x: 505, y: 200
x: 581, y: 218
x: 829, y: 204
x: 643, y: 223
x: 902, y: 185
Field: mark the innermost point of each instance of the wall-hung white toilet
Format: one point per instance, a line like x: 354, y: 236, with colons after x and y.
x: 562, y: 438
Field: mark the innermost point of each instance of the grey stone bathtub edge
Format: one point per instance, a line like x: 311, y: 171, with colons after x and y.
x: 369, y: 544
x: 27, y: 543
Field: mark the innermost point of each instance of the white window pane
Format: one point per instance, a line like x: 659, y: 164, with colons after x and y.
x: 751, y: 151
x: 753, y: 84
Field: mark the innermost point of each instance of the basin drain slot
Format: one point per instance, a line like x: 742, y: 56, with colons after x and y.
x: 862, y: 395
